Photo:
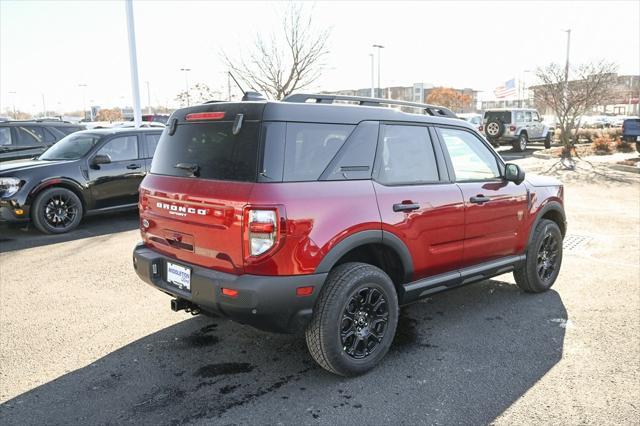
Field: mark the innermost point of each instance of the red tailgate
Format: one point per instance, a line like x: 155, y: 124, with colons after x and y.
x: 195, y: 220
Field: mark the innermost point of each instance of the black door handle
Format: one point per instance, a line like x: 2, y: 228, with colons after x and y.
x: 480, y: 199
x: 133, y: 166
x: 405, y: 207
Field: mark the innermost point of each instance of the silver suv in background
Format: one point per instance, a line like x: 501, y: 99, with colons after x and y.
x: 517, y: 126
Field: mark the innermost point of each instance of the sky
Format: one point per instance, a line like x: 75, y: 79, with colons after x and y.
x: 49, y: 48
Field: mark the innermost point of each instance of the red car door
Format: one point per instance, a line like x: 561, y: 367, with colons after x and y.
x: 495, y: 209
x: 417, y: 201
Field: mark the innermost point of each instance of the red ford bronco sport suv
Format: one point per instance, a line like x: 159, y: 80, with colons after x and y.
x: 324, y: 217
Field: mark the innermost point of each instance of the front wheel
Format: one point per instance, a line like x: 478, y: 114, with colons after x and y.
x: 547, y: 141
x: 543, y: 259
x: 354, y: 320
x: 56, y: 211
x: 520, y: 144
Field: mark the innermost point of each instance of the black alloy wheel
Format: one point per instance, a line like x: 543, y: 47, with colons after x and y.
x: 56, y: 211
x: 364, y: 322
x: 547, y: 258
x: 60, y: 211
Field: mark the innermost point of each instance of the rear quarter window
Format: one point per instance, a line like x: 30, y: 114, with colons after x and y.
x: 310, y: 147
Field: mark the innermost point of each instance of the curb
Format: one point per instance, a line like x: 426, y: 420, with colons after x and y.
x: 543, y: 155
x: 623, y: 168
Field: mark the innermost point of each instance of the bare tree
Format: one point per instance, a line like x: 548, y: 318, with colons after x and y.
x: 198, y: 93
x: 593, y: 85
x: 284, y: 63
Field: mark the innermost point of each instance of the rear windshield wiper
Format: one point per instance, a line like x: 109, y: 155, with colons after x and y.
x: 190, y: 167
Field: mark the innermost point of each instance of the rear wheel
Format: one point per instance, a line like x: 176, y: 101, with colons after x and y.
x: 543, y: 259
x: 56, y: 211
x: 354, y: 320
x: 520, y: 144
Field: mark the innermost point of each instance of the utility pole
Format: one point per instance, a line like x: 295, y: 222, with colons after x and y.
x: 379, y: 47
x: 44, y: 107
x: 373, y: 90
x: 186, y: 83
x: 148, y: 99
x: 133, y: 63
x: 229, y: 85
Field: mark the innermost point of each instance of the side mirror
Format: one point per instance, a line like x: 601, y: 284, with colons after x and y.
x: 513, y: 173
x: 100, y: 159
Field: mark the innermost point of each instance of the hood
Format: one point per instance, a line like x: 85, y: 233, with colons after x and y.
x: 535, y: 180
x: 20, y: 165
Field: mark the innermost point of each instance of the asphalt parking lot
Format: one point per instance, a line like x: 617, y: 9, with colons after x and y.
x: 84, y: 341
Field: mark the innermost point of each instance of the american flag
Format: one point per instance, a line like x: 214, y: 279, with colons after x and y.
x: 506, y: 90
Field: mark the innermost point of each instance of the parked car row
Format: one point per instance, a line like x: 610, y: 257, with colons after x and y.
x: 87, y: 172
x: 27, y: 139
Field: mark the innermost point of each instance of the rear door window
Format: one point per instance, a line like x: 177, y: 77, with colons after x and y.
x: 213, y: 148
x: 29, y: 135
x: 310, y: 147
x: 5, y: 136
x: 406, y: 156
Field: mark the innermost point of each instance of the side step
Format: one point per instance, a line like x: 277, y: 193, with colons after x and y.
x: 431, y: 285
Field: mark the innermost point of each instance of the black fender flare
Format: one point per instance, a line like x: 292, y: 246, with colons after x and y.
x: 59, y: 181
x: 368, y: 237
x: 550, y: 206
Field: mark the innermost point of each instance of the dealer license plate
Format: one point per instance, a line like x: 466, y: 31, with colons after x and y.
x: 179, y: 276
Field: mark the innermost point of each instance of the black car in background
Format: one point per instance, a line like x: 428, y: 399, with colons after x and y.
x: 87, y: 172
x: 26, y: 139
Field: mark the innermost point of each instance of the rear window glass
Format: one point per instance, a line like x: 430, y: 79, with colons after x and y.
x: 502, y: 116
x: 213, y: 148
x: 310, y: 147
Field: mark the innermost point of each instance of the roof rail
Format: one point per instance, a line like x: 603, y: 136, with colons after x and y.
x: 434, y: 110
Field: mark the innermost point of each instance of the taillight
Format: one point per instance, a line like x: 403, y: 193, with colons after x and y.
x: 512, y: 128
x: 480, y: 128
x: 262, y: 231
x: 196, y: 116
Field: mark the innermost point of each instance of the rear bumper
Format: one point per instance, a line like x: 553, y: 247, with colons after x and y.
x: 265, y: 302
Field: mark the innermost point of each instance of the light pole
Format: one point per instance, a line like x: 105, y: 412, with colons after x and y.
x: 186, y: 82
x: 84, y: 101
x: 373, y: 90
x: 379, y: 47
x: 133, y: 63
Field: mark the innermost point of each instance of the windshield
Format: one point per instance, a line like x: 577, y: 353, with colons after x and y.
x: 72, y: 147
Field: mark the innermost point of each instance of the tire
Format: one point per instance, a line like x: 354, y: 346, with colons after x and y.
x: 338, y: 313
x: 547, y: 141
x: 529, y: 276
x: 520, y: 144
x: 638, y: 146
x: 494, y: 129
x: 56, y: 211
